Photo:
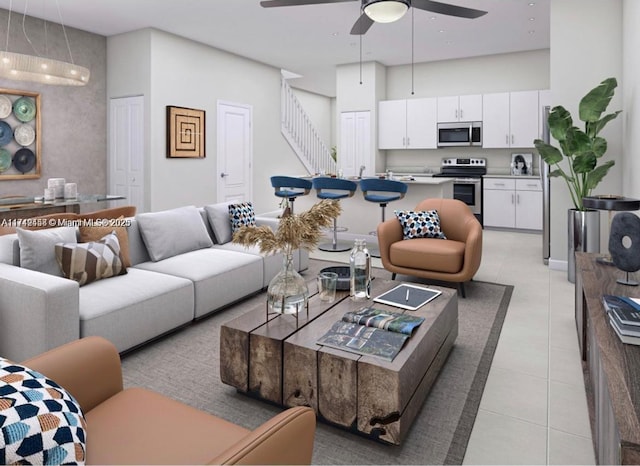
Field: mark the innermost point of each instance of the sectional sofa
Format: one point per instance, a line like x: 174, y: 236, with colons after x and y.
x: 181, y: 266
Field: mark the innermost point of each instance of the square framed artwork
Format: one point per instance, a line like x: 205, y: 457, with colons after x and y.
x: 185, y: 132
x: 20, y: 129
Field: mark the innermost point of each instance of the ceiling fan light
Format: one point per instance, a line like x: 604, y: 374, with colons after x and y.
x: 385, y: 11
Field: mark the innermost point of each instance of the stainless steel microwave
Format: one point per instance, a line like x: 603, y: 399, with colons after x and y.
x: 460, y: 134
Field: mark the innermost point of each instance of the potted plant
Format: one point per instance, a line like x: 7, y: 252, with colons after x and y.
x: 583, y: 149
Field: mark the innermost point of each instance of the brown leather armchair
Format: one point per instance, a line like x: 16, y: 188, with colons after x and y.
x: 138, y: 426
x: 455, y: 259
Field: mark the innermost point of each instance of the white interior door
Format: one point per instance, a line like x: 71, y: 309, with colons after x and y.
x: 235, y: 152
x: 355, y: 143
x: 126, y: 149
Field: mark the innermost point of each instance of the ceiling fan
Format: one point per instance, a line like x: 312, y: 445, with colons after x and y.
x: 385, y: 11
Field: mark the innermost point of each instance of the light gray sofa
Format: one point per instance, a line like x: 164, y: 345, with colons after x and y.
x: 39, y: 311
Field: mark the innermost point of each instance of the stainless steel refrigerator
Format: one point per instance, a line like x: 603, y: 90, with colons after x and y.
x: 546, y: 194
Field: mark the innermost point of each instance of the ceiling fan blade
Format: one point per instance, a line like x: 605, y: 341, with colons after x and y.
x: 272, y: 3
x: 446, y: 9
x: 362, y: 25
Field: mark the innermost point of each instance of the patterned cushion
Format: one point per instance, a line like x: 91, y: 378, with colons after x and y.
x: 241, y: 215
x: 423, y: 224
x: 88, y: 262
x: 40, y: 422
x: 98, y: 229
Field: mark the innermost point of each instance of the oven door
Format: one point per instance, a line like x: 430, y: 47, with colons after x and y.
x: 469, y: 191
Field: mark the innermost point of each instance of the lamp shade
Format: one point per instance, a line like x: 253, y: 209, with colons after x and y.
x: 41, y: 70
x: 385, y: 11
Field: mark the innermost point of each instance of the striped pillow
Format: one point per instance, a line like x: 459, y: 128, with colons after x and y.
x: 88, y: 262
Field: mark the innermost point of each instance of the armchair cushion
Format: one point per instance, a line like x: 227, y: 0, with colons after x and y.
x: 40, y: 422
x: 422, y: 224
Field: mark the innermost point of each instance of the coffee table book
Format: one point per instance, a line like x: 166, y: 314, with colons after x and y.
x: 627, y: 309
x: 622, y: 334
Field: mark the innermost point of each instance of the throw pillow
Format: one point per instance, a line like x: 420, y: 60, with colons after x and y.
x: 172, y: 232
x: 422, y: 224
x: 40, y: 422
x: 218, y: 215
x: 241, y: 215
x: 88, y: 262
x: 37, y: 248
x: 95, y: 233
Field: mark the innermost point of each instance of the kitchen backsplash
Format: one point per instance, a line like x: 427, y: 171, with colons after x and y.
x: 429, y: 161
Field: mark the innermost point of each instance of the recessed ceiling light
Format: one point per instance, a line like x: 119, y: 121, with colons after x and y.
x: 532, y: 4
x: 532, y: 19
x: 441, y: 31
x: 532, y: 31
x: 432, y: 18
x: 334, y: 34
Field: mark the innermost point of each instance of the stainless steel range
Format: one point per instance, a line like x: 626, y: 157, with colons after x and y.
x: 467, y: 184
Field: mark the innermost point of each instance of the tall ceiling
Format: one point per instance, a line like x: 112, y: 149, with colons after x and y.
x: 311, y: 40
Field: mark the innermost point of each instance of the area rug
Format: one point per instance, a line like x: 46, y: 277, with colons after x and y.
x: 185, y: 366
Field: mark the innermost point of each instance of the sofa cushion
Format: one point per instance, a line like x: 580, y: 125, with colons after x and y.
x: 219, y: 221
x: 172, y: 232
x: 241, y: 215
x: 40, y: 422
x: 96, y: 232
x: 421, y: 224
x: 88, y: 262
x: 37, y: 248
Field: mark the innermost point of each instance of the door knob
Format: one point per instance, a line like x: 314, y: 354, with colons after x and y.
x: 222, y: 175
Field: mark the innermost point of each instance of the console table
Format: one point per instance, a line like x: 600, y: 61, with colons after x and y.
x: 611, y: 368
x: 31, y: 208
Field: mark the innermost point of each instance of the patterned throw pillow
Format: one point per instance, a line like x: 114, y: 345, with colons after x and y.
x: 241, y: 215
x: 423, y: 224
x: 40, y: 422
x: 88, y: 262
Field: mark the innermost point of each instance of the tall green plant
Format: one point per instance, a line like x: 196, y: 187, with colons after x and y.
x: 581, y: 148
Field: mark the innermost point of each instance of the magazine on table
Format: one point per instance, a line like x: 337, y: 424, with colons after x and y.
x: 371, y: 332
x: 405, y: 296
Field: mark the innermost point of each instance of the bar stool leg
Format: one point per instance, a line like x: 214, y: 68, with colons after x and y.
x: 375, y: 250
x: 335, y: 245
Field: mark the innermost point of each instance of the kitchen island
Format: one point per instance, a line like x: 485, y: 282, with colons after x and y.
x: 362, y: 217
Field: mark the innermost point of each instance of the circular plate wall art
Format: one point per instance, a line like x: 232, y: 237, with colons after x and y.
x: 5, y: 160
x: 24, y: 135
x: 6, y: 135
x: 5, y: 106
x: 24, y: 109
x: 24, y: 160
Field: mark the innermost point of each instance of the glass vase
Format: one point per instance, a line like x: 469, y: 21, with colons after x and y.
x: 287, y: 292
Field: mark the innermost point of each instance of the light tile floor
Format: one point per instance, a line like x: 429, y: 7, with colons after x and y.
x: 534, y: 408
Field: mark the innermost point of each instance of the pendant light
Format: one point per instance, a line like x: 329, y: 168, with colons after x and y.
x: 385, y: 11
x: 35, y: 68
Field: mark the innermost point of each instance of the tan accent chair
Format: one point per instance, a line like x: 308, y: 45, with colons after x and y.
x: 138, y: 426
x: 455, y: 259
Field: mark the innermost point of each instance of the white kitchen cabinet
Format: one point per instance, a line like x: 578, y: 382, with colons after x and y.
x: 459, y: 108
x: 355, y: 144
x: 510, y: 119
x: 512, y: 203
x: 407, y: 124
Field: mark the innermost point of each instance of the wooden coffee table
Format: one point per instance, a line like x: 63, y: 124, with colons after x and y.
x: 281, y: 363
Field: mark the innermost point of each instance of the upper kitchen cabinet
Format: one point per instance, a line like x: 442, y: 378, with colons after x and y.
x: 510, y: 119
x: 407, y: 124
x: 459, y: 108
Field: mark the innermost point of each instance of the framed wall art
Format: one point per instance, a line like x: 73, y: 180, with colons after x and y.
x: 20, y: 144
x: 185, y: 132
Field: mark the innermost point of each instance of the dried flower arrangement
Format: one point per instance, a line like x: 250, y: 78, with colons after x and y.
x: 294, y: 231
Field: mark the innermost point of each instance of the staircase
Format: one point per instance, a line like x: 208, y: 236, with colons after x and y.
x: 302, y: 136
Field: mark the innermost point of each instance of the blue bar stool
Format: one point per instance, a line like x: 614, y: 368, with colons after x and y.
x: 290, y: 187
x: 381, y: 192
x: 334, y: 188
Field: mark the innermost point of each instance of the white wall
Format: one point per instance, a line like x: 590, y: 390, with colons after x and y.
x: 586, y: 44
x: 631, y: 104
x: 189, y: 74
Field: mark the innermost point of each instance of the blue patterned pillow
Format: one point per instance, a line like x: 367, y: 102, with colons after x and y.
x: 40, y: 422
x: 241, y: 215
x: 423, y: 224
